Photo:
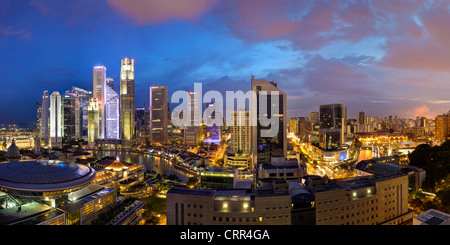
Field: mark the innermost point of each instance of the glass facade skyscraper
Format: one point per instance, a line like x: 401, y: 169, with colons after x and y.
x: 56, y: 120
x: 158, y: 114
x: 99, y: 92
x: 127, y: 107
x: 112, y: 114
x: 264, y: 148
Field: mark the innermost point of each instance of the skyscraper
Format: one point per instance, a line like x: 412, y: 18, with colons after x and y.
x: 192, y: 131
x: 112, y: 114
x: 158, y: 114
x: 333, y: 120
x: 442, y: 124
x: 93, y: 121
x: 45, y: 115
x: 69, y: 104
x: 361, y: 117
x: 38, y: 118
x: 127, y: 99
x: 275, y: 146
x: 56, y: 120
x: 110, y: 82
x: 81, y: 111
x: 99, y: 92
x: 240, y: 132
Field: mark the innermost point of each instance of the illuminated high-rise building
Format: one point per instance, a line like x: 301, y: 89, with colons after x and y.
x: 192, y: 131
x: 45, y: 115
x: 93, y: 120
x: 333, y: 121
x: 99, y: 92
x: 110, y: 82
x: 240, y: 133
x: 69, y: 104
x: 112, y: 111
x: 362, y: 118
x: 127, y: 106
x: 158, y: 114
x: 81, y: 97
x: 56, y: 120
x: 442, y: 124
x: 264, y: 147
x: 38, y: 118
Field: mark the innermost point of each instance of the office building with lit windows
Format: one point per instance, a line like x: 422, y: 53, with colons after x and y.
x: 228, y: 207
x: 56, y: 120
x: 81, y: 105
x: 44, y: 119
x: 240, y: 133
x: 112, y: 114
x: 158, y: 115
x: 99, y: 92
x: 374, y: 200
x: 263, y: 148
x: 93, y: 120
x: 127, y: 106
x: 333, y: 121
x: 192, y: 131
x: 442, y: 123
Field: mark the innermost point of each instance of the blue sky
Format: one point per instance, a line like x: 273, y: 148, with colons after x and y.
x: 383, y: 57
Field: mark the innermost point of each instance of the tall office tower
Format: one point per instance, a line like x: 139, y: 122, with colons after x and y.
x: 112, y: 114
x: 110, y: 82
x: 192, y: 131
x: 38, y: 118
x: 45, y: 115
x: 314, y: 117
x: 240, y: 133
x: 361, y: 118
x: 442, y: 123
x: 142, y: 124
x: 333, y: 121
x: 264, y: 148
x: 93, y: 120
x: 127, y: 99
x: 82, y: 97
x: 69, y: 104
x: 81, y: 102
x: 56, y: 120
x: 158, y: 115
x: 99, y: 92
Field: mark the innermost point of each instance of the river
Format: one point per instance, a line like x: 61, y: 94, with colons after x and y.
x: 151, y: 163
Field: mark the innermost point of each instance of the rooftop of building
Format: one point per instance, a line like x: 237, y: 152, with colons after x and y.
x: 44, y: 175
x: 433, y: 217
x: 35, y: 212
x: 355, y: 183
x: 373, y: 166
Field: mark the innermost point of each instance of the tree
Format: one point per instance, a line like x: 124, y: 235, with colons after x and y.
x: 444, y: 196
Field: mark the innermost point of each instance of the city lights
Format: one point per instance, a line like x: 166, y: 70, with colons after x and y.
x: 224, y: 113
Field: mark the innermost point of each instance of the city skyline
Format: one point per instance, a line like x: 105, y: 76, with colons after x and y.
x: 380, y: 57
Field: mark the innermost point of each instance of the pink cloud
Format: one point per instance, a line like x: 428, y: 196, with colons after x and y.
x: 428, y: 50
x: 156, y: 11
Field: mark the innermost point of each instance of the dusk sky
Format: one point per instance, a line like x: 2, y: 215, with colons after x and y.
x: 383, y: 57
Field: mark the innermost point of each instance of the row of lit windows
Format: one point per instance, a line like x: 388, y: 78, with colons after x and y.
x: 364, y: 219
